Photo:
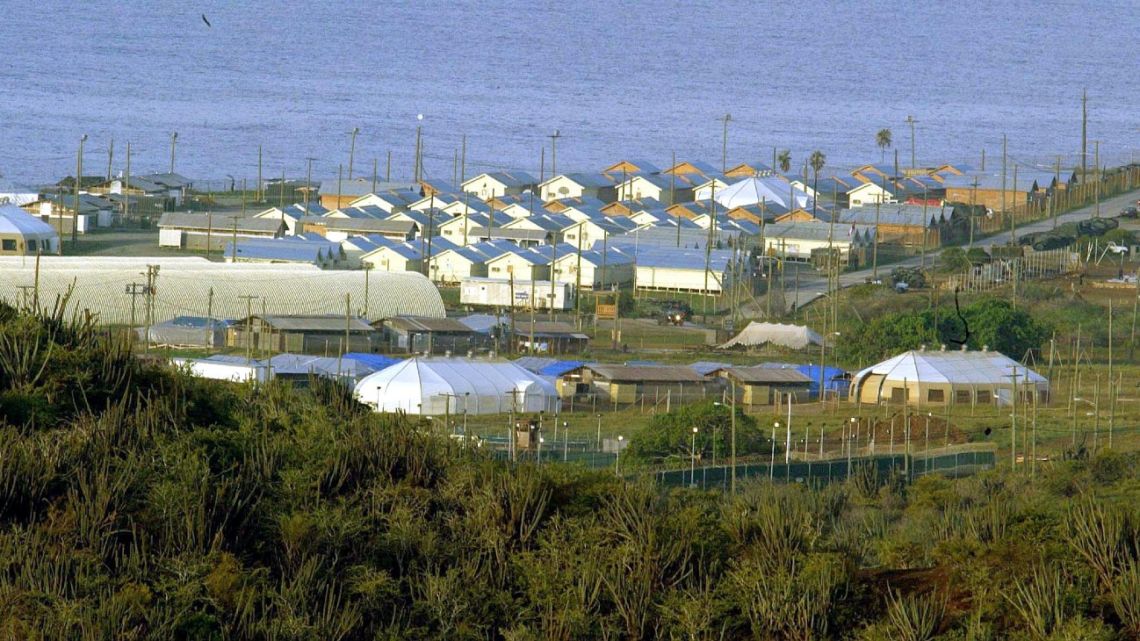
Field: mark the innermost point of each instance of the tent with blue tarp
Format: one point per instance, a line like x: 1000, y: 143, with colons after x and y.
x: 376, y: 362
x: 835, y: 380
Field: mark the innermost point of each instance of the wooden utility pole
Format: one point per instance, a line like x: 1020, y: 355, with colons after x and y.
x: 875, y: 249
x: 1084, y: 134
x: 375, y: 167
x: 727, y: 118
x: 78, y: 185
x: 127, y: 186
x: 260, y: 193
x: 110, y: 158
x: 1096, y: 146
x: 463, y: 161
x: 554, y: 152
x: 249, y: 327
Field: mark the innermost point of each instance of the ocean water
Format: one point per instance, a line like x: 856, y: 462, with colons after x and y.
x: 617, y: 80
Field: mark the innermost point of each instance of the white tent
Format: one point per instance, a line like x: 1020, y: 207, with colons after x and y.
x: 438, y: 386
x: 769, y: 189
x: 793, y: 336
x: 944, y: 377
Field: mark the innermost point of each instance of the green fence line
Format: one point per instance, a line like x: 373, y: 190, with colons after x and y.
x: 953, y: 462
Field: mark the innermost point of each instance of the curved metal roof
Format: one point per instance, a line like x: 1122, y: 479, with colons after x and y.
x: 198, y: 287
x: 14, y: 220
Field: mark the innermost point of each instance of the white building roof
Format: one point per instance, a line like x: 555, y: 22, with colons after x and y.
x: 14, y: 220
x: 188, y: 286
x: 438, y: 386
x: 792, y: 336
x: 960, y: 368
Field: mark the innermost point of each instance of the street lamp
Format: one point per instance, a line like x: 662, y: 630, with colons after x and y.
x: 693, y: 461
x: 352, y: 150
x: 540, y: 442
x: 599, y: 431
x: 772, y: 458
x: 617, y: 461
x: 173, y: 142
x: 565, y: 441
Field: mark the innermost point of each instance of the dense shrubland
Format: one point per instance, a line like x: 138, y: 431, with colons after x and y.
x: 136, y: 503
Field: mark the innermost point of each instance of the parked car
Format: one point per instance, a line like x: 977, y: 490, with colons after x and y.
x: 1129, y: 212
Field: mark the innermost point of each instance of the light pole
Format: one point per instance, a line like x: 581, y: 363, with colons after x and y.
x: 419, y: 147
x: 466, y: 395
x: 541, y: 440
x: 599, y: 431
x: 565, y: 441
x: 554, y: 152
x: 910, y: 120
x: 617, y: 461
x: 173, y: 142
x: 352, y: 150
x: 693, y: 461
x: 727, y: 118
x: 78, y: 182
x: 772, y: 457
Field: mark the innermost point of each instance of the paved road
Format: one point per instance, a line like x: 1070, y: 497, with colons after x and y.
x: 812, y: 283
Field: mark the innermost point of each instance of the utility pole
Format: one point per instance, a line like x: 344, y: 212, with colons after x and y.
x: 419, y: 148
x: 127, y: 185
x: 352, y: 150
x: 249, y: 327
x: 910, y: 120
x: 78, y: 184
x: 463, y: 161
x: 308, y: 184
x: 1084, y: 134
x: 875, y: 250
x: 1096, y: 146
x: 260, y: 193
x: 973, y: 198
x: 726, y: 118
x: 388, y: 169
x: 673, y: 196
x: 110, y: 158
x: 1004, y: 210
x: 554, y: 152
x: 151, y: 277
x: 173, y: 143
x: 134, y: 290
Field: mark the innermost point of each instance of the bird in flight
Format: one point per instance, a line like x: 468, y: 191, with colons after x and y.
x: 206, y: 21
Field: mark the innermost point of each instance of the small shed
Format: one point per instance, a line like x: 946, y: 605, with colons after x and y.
x: 424, y: 335
x: 767, y: 385
x: 656, y: 383
x: 318, y: 334
x: 549, y: 337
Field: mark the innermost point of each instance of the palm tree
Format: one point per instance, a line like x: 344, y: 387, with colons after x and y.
x: 817, y: 161
x: 883, y: 140
x: 785, y: 160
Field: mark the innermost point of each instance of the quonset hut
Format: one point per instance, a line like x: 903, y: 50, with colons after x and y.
x: 22, y: 234
x: 198, y: 287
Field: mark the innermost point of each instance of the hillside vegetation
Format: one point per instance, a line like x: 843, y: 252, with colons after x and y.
x: 137, y: 503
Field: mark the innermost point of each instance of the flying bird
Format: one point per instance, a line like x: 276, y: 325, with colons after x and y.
x: 206, y: 21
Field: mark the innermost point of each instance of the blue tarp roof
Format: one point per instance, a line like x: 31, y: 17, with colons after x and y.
x: 834, y: 379
x: 374, y: 361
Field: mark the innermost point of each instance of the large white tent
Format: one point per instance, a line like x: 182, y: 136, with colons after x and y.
x: 439, y: 386
x: 188, y: 286
x: 757, y: 333
x: 921, y: 377
x: 772, y: 190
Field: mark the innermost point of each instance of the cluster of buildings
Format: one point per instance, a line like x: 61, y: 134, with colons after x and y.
x: 687, y: 227
x: 435, y: 385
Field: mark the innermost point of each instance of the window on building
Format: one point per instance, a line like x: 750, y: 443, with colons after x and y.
x: 936, y: 396
x: 9, y: 244
x: 962, y: 396
x: 899, y: 394
x: 32, y: 245
x: 984, y: 396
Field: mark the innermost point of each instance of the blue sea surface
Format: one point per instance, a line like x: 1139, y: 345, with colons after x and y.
x: 618, y: 80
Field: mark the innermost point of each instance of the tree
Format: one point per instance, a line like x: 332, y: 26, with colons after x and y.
x: 784, y: 160
x: 953, y: 259
x: 994, y: 323
x: 817, y: 161
x: 883, y: 140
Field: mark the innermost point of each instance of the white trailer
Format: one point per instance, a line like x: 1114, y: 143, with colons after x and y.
x: 496, y: 292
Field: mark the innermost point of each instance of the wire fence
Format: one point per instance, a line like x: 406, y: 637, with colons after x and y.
x: 962, y: 460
